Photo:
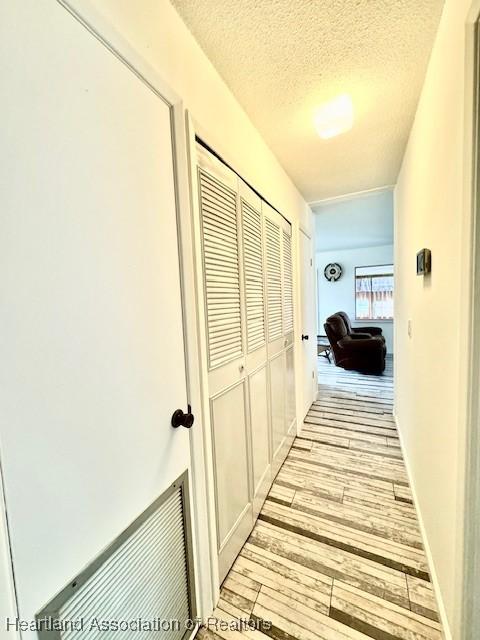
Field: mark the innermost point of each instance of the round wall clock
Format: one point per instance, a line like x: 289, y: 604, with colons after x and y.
x: 333, y: 271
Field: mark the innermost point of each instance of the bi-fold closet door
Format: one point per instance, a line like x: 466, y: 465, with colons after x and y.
x: 249, y: 323
x: 279, y: 324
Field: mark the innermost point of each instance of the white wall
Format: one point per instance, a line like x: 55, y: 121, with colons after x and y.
x: 429, y: 366
x: 352, y: 221
x: 340, y: 295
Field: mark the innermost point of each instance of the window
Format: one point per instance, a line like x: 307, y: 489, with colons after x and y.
x: 374, y: 292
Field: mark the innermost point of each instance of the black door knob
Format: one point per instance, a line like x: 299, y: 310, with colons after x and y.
x: 181, y: 419
x: 304, y: 337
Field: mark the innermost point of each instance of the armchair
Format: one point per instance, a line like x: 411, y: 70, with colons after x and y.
x: 370, y: 331
x: 358, y: 351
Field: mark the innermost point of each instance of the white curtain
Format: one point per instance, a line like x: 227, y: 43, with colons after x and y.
x: 374, y: 297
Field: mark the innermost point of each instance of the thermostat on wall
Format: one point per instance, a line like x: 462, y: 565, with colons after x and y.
x: 424, y: 262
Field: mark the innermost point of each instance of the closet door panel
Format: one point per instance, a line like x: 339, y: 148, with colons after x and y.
x: 277, y: 400
x: 290, y: 410
x: 223, y: 289
x: 258, y: 392
x: 253, y: 276
x: 218, y: 204
x: 253, y: 272
x: 273, y: 278
x: 287, y: 280
x: 230, y: 448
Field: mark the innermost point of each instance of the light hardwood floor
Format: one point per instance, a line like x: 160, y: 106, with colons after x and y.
x: 336, y: 553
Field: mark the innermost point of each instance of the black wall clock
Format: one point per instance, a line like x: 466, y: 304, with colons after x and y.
x: 332, y: 271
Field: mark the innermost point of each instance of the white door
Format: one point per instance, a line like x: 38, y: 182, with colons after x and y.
x: 256, y: 370
x: 309, y: 344
x: 226, y: 339
x: 287, y: 317
x: 276, y: 341
x: 280, y: 314
x: 92, y: 353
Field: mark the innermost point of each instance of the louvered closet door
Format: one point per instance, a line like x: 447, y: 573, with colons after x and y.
x: 221, y: 271
x: 273, y: 227
x: 226, y: 345
x: 256, y: 341
x: 287, y: 272
x: 252, y: 231
x: 273, y: 224
x: 287, y: 315
x: 280, y: 318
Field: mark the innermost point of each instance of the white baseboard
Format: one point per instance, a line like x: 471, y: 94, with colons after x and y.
x: 431, y: 565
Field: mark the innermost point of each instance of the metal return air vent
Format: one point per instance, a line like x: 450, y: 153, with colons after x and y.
x: 142, y: 583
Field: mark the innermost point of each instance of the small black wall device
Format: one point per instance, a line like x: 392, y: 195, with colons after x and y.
x: 424, y: 262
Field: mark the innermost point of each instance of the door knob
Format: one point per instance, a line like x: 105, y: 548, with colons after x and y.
x: 304, y: 337
x: 181, y: 419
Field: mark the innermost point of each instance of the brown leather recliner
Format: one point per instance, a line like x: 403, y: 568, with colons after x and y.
x: 372, y: 331
x: 358, y: 351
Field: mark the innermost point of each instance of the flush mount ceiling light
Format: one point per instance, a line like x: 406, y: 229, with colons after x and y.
x: 334, y: 117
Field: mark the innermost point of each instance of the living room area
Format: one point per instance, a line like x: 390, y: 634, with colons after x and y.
x: 355, y: 282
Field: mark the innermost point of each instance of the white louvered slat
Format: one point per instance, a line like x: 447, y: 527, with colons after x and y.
x: 287, y: 283
x: 253, y: 270
x: 221, y: 270
x: 274, y: 280
x: 144, y: 577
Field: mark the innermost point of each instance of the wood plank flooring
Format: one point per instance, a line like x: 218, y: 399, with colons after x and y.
x: 336, y: 553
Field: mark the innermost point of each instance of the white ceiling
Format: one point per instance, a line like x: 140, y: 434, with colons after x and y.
x: 349, y: 223
x: 283, y: 58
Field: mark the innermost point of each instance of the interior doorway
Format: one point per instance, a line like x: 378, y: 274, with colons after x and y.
x: 355, y: 273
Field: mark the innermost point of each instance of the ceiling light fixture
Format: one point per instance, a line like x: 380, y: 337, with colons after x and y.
x: 334, y: 117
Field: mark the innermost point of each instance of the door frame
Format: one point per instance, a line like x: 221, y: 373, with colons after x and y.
x: 8, y: 592
x: 90, y: 18
x: 312, y: 343
x: 469, y: 622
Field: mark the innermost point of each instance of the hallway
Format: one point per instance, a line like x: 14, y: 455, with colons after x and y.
x: 336, y: 552
x: 198, y: 197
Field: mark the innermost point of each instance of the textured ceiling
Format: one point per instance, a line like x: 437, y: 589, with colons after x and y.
x: 283, y: 58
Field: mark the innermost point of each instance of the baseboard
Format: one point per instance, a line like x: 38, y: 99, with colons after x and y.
x: 431, y: 565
